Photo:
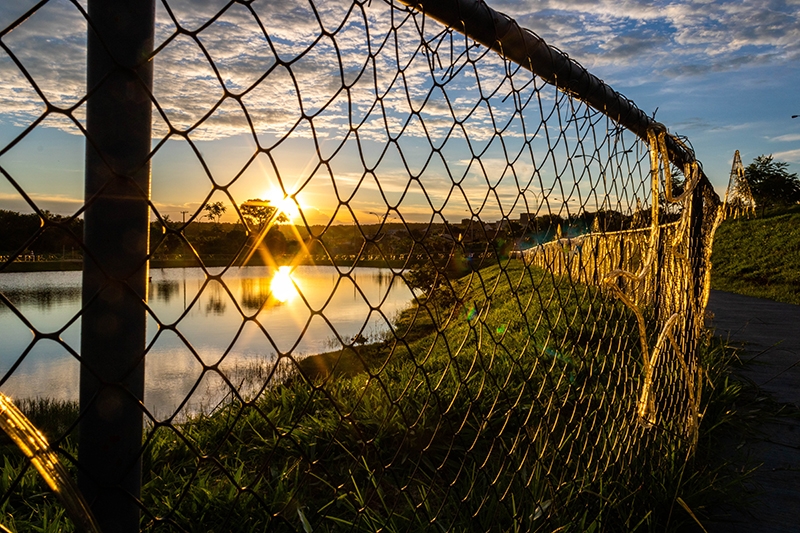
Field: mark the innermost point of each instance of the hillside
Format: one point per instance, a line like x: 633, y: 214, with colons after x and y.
x: 759, y: 257
x: 516, y: 411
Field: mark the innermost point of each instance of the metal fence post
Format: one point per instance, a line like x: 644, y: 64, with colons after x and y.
x: 118, y: 122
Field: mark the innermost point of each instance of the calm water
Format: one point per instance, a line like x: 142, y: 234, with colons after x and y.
x: 211, y: 317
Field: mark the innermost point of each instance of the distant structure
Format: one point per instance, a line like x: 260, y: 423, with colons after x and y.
x: 526, y: 218
x: 739, y: 199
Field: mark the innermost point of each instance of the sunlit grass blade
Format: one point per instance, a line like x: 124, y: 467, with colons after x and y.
x: 35, y: 447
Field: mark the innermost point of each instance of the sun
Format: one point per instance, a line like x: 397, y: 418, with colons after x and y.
x: 288, y: 207
x: 284, y: 204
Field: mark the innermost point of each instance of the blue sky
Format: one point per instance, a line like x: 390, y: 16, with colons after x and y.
x: 722, y: 73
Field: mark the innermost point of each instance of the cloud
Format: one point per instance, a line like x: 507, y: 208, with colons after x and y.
x: 233, y: 52
x: 223, y: 70
x: 333, y: 82
x: 50, y: 45
x: 791, y: 137
x: 683, y: 38
x: 792, y: 156
x: 56, y: 203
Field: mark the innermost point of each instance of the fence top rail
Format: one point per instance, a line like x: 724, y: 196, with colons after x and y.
x: 502, y: 34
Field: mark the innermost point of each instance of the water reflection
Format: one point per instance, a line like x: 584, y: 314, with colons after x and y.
x: 164, y: 290
x: 255, y: 291
x: 282, y: 285
x: 243, y: 321
x: 45, y: 297
x: 43, y: 292
x: 215, y: 298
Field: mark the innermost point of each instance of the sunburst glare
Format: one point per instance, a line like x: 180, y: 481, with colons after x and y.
x: 285, y: 205
x: 288, y: 207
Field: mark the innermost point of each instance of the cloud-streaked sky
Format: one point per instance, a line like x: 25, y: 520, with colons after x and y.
x: 344, y: 80
x: 726, y: 74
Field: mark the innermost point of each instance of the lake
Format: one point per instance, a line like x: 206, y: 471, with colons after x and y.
x: 241, y: 325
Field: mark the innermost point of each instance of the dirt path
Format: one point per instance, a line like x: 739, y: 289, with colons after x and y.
x: 771, y: 333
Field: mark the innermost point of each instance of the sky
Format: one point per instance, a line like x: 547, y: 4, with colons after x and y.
x: 329, y: 89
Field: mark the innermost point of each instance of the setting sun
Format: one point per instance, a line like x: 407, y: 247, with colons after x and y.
x: 287, y: 206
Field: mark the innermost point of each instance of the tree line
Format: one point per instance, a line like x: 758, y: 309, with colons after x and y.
x: 33, y: 235
x: 45, y: 235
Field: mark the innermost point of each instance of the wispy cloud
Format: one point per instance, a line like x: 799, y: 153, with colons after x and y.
x: 792, y: 137
x: 273, y: 63
x: 57, y: 203
x: 792, y: 156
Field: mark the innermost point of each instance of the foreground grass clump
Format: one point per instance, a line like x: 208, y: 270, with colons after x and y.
x: 27, y: 503
x: 759, y: 256
x: 512, y: 410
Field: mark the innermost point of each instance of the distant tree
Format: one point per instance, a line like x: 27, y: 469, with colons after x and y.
x: 771, y: 184
x: 214, y: 211
x: 608, y: 220
x: 433, y: 283
x: 259, y: 212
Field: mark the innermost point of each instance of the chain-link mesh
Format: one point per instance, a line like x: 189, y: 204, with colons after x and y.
x: 412, y: 285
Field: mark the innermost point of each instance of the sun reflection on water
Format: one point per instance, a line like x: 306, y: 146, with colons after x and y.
x: 282, y: 286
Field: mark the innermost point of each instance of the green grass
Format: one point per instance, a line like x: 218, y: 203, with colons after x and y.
x: 462, y: 420
x: 501, y: 413
x: 759, y: 256
x: 28, y: 504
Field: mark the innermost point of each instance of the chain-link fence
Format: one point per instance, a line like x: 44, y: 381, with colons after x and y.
x: 345, y: 266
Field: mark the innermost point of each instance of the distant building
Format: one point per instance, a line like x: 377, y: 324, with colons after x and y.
x: 469, y: 227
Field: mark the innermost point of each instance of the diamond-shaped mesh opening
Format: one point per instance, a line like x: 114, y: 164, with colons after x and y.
x: 393, y: 280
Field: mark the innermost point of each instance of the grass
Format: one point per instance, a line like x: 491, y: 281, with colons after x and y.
x: 514, y: 410
x: 433, y: 425
x: 28, y: 504
x: 759, y: 256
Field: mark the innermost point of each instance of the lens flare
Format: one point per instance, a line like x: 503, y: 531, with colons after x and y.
x: 289, y: 208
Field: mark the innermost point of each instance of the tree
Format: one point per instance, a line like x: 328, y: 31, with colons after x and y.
x: 771, y: 184
x: 214, y: 211
x: 434, y: 283
x: 259, y: 212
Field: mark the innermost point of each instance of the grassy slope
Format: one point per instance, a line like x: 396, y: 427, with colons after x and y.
x: 447, y: 422
x: 759, y: 257
x: 472, y: 427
